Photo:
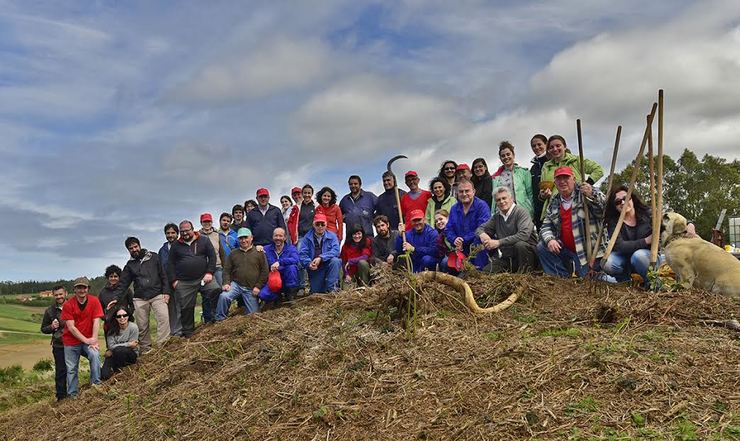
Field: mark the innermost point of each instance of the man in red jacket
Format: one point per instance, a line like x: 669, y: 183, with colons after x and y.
x: 81, y: 316
x: 415, y: 198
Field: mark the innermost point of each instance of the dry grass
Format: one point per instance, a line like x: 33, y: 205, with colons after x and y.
x: 571, y: 360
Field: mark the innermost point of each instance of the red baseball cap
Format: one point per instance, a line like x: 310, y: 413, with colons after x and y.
x: 462, y: 166
x: 206, y: 217
x: 416, y: 214
x: 296, y: 190
x: 411, y: 173
x: 564, y: 171
x: 262, y: 192
x: 319, y: 218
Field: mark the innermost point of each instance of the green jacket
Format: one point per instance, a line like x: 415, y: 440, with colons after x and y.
x: 447, y: 204
x: 592, y: 168
x: 522, y: 188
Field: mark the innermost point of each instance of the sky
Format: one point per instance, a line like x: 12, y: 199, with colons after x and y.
x: 118, y: 117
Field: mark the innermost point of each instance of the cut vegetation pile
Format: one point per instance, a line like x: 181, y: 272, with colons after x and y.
x: 569, y: 360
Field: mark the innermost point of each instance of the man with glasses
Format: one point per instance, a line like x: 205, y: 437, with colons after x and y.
x: 319, y: 254
x: 151, y: 292
x: 263, y: 220
x: 562, y: 249
x: 54, y: 325
x: 192, y: 262
x: 81, y: 316
x: 508, y: 236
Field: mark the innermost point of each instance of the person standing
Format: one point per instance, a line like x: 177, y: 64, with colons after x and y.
x: 237, y: 213
x: 306, y: 211
x: 515, y: 178
x: 482, y: 181
x: 191, y: 264
x: 448, y: 172
x: 171, y: 232
x: 53, y: 324
x: 441, y: 199
x: 207, y: 230
x: 387, y: 205
x: 327, y: 199
x: 358, y: 206
x: 263, y: 220
x: 539, y: 148
x: 319, y: 254
x: 292, y: 221
x: 227, y: 237
x: 415, y: 198
x: 111, y: 295
x: 81, y: 315
x: 244, y: 276
x: 151, y: 292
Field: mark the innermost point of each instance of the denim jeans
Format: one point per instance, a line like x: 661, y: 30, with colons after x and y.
x: 326, y: 277
x: 621, y: 266
x: 225, y: 298
x: 72, y: 361
x: 562, y: 264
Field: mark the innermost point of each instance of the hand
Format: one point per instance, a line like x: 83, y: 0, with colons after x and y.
x: 95, y: 345
x: 691, y: 231
x: 207, y: 278
x: 55, y: 324
x: 275, y: 266
x: 255, y: 292
x: 401, y: 227
x: 174, y: 284
x: 347, y: 279
x: 110, y: 304
x: 166, y: 298
x: 587, y: 189
x: 226, y: 288
x: 458, y: 243
x: 545, y: 194
x: 649, y: 239
x: 408, y: 247
x: 134, y: 344
x: 315, y: 263
x: 108, y: 354
x: 491, y: 244
x: 554, y: 246
x: 390, y: 259
x: 259, y: 248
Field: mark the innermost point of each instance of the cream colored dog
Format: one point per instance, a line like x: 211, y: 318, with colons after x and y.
x: 697, y: 262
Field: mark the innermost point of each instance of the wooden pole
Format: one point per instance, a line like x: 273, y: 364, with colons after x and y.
x: 609, y: 184
x: 653, y: 200
x: 658, y: 210
x: 400, y: 212
x: 635, y: 172
x: 587, y: 225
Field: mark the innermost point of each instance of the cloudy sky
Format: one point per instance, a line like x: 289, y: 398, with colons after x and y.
x: 117, y: 117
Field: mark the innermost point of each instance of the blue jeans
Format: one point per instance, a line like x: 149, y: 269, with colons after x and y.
x: 621, y: 266
x: 562, y: 264
x: 425, y: 263
x: 72, y: 361
x: 225, y: 298
x: 326, y: 277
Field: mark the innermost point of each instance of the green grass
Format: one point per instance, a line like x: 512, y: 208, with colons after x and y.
x: 560, y: 332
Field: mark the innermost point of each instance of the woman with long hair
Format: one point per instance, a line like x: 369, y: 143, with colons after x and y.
x: 516, y: 179
x: 631, y: 252
x: 327, y: 199
x: 482, y: 181
x: 286, y: 206
x: 441, y: 198
x: 122, y: 339
x: 448, y: 172
x: 355, y: 254
x: 539, y: 148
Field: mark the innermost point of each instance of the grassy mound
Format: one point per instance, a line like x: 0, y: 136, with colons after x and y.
x: 570, y: 360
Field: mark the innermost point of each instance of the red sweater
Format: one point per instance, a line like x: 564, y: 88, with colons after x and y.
x: 566, y: 229
x: 293, y: 223
x: 352, y: 254
x: 83, y: 318
x: 408, y: 205
x: 334, y: 219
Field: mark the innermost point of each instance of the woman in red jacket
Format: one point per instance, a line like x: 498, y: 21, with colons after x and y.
x: 355, y: 254
x: 327, y: 199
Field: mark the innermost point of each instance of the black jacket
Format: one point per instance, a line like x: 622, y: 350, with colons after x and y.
x: 388, y: 206
x: 484, y: 188
x: 305, y: 218
x: 262, y: 226
x: 191, y: 262
x: 146, y: 274
x: 536, y: 172
x: 51, y: 313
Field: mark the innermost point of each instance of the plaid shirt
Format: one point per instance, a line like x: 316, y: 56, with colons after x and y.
x: 551, y: 224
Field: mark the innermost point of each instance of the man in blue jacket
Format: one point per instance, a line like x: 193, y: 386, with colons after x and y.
x: 263, y: 220
x: 358, y: 207
x: 421, y: 243
x: 282, y: 256
x: 319, y: 254
x: 466, y: 216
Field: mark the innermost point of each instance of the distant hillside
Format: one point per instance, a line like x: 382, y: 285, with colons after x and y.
x: 570, y: 360
x: 35, y: 287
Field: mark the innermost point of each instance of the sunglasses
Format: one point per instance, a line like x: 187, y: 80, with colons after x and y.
x: 319, y: 224
x: 619, y: 202
x: 450, y: 168
x: 121, y: 315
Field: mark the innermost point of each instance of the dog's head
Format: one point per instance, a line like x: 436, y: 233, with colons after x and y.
x: 673, y: 225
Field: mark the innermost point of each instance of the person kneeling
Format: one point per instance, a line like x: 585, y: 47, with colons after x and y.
x: 282, y: 257
x: 122, y: 338
x: 319, y: 254
x: 516, y: 238
x: 420, y: 243
x: 245, y: 273
x: 355, y: 254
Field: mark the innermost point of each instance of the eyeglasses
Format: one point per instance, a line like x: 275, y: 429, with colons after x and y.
x: 619, y: 202
x: 185, y: 231
x: 450, y: 168
x: 319, y: 224
x: 121, y: 315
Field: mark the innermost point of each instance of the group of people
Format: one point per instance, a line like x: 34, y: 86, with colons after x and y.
x: 514, y: 219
